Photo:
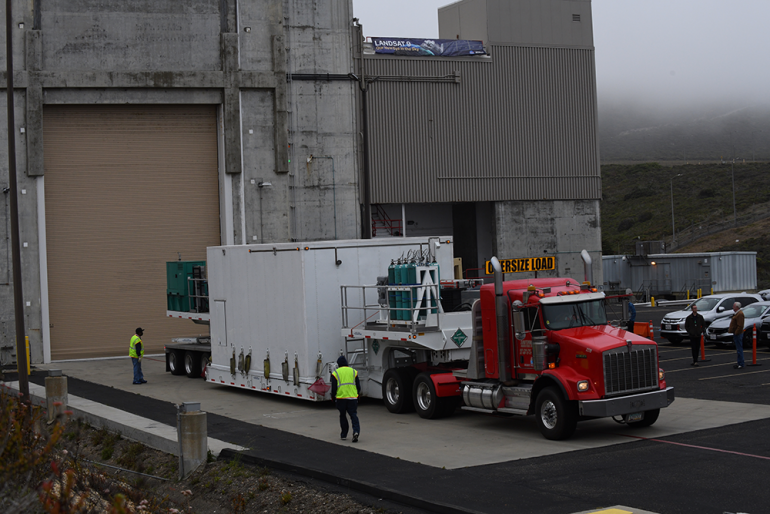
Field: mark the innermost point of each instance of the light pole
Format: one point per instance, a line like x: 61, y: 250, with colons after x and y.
x: 673, y: 227
x: 735, y: 213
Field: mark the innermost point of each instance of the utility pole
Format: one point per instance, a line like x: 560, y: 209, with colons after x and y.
x: 18, y: 297
x: 673, y: 227
x: 735, y: 213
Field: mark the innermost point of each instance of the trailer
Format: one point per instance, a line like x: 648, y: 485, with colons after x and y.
x: 281, y: 314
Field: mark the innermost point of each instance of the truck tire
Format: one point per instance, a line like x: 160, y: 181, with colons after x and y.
x: 175, y: 362
x: 556, y: 416
x: 426, y: 403
x: 397, y: 391
x: 650, y: 417
x: 192, y: 364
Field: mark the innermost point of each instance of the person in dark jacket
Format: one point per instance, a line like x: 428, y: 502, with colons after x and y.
x: 695, y: 326
x: 345, y: 390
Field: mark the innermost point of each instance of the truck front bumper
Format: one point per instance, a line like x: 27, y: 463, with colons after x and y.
x: 627, y: 404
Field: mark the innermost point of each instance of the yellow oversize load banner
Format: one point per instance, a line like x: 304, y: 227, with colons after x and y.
x: 526, y: 264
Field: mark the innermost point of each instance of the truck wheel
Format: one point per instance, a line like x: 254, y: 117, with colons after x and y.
x: 397, y: 391
x: 175, y: 362
x: 650, y: 417
x: 556, y: 417
x: 426, y: 403
x: 192, y: 365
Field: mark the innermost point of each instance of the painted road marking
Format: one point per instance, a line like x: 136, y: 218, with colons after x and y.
x: 736, y: 374
x: 708, y: 366
x: 696, y: 447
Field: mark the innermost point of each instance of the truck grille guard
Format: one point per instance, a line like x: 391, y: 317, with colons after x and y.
x: 630, y: 370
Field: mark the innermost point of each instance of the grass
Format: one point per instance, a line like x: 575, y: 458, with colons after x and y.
x: 636, y: 204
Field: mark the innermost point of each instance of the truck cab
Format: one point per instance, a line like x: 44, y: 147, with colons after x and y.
x: 547, y: 349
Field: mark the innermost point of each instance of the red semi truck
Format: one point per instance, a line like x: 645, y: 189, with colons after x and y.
x: 539, y: 346
x: 535, y: 346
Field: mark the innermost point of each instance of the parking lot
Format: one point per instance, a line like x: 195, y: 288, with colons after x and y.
x: 710, y: 440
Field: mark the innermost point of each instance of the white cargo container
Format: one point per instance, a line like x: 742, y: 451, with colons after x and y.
x: 276, y: 311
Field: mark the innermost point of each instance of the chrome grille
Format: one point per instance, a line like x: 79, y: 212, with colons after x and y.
x: 630, y: 372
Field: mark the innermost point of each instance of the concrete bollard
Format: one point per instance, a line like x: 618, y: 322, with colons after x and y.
x: 193, y: 437
x: 55, y: 394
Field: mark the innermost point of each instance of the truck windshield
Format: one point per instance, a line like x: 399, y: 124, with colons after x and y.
x: 568, y: 315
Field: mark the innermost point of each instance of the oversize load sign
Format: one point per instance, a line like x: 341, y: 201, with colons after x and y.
x: 528, y: 264
x: 427, y: 47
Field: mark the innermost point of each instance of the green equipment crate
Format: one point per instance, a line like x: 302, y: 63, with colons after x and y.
x: 179, y: 287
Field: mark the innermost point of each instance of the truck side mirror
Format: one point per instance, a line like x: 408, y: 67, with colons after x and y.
x: 720, y: 309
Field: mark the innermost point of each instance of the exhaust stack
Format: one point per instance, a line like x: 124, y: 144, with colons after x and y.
x: 501, y: 306
x: 587, y: 261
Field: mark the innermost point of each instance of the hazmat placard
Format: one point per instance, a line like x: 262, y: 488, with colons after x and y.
x: 525, y: 264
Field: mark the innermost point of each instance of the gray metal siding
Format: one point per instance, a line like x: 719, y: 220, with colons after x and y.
x: 724, y: 271
x: 520, y: 125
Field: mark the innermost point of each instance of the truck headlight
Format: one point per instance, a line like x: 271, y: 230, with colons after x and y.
x: 661, y: 374
x: 583, y: 385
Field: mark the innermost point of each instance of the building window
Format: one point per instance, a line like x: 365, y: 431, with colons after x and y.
x: 575, y: 17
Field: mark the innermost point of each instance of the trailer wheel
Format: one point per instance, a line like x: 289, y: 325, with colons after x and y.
x: 192, y: 365
x: 397, y: 391
x: 427, y: 404
x: 650, y: 417
x: 556, y: 417
x: 175, y: 358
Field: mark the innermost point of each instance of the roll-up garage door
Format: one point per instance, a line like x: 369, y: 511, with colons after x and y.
x: 127, y: 188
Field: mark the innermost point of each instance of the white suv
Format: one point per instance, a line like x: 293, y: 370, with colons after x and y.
x: 711, y: 307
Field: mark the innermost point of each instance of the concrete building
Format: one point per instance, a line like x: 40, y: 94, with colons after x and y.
x: 146, y: 132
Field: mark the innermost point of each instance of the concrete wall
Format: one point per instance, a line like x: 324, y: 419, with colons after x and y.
x: 234, y: 54
x: 564, y: 23
x: 562, y: 229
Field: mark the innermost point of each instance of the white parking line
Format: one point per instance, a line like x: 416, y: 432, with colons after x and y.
x: 708, y: 366
x: 736, y: 374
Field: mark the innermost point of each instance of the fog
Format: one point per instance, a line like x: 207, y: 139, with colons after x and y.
x: 664, y: 53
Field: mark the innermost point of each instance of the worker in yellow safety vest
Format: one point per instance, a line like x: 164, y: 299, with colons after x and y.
x: 136, y: 352
x: 345, y: 390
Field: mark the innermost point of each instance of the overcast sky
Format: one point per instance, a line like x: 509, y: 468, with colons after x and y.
x: 648, y: 51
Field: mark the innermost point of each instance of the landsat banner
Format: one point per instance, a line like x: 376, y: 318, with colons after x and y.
x: 427, y: 47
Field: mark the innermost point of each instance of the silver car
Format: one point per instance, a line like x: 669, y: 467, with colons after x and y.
x: 754, y: 315
x: 711, y: 307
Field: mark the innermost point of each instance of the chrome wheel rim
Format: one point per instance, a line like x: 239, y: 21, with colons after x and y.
x: 188, y: 364
x: 548, y: 415
x: 172, y: 362
x: 392, y: 391
x: 423, y: 396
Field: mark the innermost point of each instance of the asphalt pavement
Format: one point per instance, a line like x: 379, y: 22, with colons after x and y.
x: 713, y: 470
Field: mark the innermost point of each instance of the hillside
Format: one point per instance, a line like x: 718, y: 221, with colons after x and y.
x: 636, y: 205
x: 631, y: 132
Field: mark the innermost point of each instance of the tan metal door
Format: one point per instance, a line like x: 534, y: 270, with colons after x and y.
x: 127, y: 188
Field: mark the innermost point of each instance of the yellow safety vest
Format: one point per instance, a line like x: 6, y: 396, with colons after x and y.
x: 346, y: 382
x: 132, y: 347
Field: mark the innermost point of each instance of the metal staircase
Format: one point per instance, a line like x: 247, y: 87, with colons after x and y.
x: 383, y: 224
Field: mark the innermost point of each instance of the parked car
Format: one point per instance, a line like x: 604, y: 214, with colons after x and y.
x: 754, y: 315
x: 711, y: 307
x: 763, y: 337
x: 765, y: 293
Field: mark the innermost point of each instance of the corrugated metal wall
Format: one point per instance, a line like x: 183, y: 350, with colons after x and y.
x: 724, y: 271
x: 520, y: 125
